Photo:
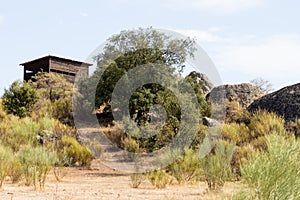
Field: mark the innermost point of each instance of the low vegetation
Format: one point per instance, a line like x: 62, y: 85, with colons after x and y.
x: 37, y: 131
x: 272, y: 174
x: 32, y: 142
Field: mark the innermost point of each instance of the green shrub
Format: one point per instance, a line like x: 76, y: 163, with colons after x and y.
x: 6, y: 156
x: 260, y: 143
x: 199, y: 137
x: 74, y: 153
x: 263, y: 123
x: 2, y: 112
x: 18, y: 132
x: 159, y: 178
x: 61, y: 130
x: 95, y: 147
x: 47, y: 123
x: 235, y: 133
x: 186, y: 168
x: 114, y: 134
x: 236, y: 113
x: 243, y: 194
x: 136, y: 179
x: 132, y: 147
x: 36, y: 163
x: 15, y: 171
x: 217, y: 166
x: 55, y: 94
x: 44, y: 162
x: 241, y: 154
x: 274, y: 174
x: 27, y: 159
x: 19, y: 99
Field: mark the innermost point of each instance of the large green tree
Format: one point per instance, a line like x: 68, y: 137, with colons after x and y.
x: 19, y: 99
x: 132, y: 48
x: 129, y: 50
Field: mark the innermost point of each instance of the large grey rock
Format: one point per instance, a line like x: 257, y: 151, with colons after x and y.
x: 244, y: 94
x: 284, y: 102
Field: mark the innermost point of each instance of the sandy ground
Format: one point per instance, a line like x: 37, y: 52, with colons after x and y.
x: 101, y: 182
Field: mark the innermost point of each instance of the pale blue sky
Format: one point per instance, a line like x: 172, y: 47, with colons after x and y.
x: 245, y: 39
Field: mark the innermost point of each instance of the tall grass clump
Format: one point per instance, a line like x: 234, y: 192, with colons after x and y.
x: 74, y: 153
x: 159, y: 178
x: 18, y: 132
x: 217, y: 166
x: 263, y: 122
x: 274, y: 174
x: 187, y: 168
x: 36, y: 164
x: 136, y: 177
x: 294, y: 127
x: 131, y: 147
x: 6, y: 156
x: 235, y: 133
x: 15, y: 171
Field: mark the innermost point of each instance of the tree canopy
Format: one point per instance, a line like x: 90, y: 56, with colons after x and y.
x: 19, y: 99
x: 128, y: 51
x: 132, y: 48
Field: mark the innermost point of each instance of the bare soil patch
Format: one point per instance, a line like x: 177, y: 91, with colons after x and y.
x: 101, y: 182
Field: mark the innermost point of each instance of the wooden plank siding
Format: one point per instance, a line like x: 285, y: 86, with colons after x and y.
x: 66, y: 67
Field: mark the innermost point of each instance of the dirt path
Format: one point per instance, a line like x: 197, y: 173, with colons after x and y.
x: 104, y: 183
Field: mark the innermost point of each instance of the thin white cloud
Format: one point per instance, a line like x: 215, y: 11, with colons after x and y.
x: 241, y: 58
x: 276, y: 57
x: 202, y: 36
x: 224, y: 6
x: 83, y: 14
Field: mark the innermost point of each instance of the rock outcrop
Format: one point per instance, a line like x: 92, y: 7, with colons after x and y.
x: 284, y: 102
x: 244, y: 94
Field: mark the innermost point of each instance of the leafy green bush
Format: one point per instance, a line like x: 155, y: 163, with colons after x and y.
x: 274, y: 174
x: 187, y: 168
x: 217, y: 166
x: 19, y: 99
x: 6, y: 156
x: 74, y: 153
